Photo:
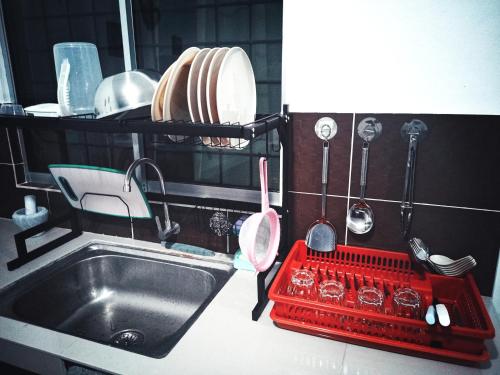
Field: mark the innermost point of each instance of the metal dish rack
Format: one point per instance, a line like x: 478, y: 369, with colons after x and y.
x: 192, y: 133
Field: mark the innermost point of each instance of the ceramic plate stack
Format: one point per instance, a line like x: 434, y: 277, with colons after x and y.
x: 209, y: 85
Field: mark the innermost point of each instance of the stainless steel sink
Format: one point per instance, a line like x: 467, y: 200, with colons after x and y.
x: 118, y: 297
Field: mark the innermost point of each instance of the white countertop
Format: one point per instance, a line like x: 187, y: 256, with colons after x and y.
x: 224, y: 339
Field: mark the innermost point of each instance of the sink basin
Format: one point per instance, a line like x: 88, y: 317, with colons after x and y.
x: 116, y: 296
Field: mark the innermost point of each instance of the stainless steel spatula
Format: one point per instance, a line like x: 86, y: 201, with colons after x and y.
x: 321, y: 235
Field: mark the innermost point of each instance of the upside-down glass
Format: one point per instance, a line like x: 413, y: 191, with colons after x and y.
x: 370, y: 299
x: 331, y: 291
x: 406, y: 303
x: 302, y: 284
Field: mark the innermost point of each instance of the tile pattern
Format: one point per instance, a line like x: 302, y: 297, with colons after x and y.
x: 455, y: 165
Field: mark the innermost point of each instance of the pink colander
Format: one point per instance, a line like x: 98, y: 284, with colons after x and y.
x: 260, y: 234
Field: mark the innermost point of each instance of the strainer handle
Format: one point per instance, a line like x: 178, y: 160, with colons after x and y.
x: 263, y: 183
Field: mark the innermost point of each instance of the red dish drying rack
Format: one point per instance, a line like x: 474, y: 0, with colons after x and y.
x: 462, y: 341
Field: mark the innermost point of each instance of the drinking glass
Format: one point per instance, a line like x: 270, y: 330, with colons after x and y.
x: 406, y: 303
x: 12, y: 109
x: 331, y: 291
x: 370, y: 299
x: 302, y: 284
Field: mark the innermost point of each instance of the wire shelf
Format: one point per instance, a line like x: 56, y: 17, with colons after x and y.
x: 220, y: 135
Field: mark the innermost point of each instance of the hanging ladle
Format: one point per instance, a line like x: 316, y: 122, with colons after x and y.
x: 321, y: 235
x: 413, y: 132
x: 360, y: 217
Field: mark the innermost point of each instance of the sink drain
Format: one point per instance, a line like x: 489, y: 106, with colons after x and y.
x: 128, y: 337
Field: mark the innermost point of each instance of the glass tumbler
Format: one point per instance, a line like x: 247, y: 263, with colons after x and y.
x: 331, y: 291
x: 302, y: 284
x: 370, y: 299
x: 406, y: 303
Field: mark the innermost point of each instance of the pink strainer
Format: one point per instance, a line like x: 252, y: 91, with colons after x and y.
x: 260, y: 234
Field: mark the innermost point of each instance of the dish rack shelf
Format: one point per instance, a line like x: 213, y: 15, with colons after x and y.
x: 197, y: 133
x: 354, y: 267
x: 262, y: 125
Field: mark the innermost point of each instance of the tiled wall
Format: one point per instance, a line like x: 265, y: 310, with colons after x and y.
x: 457, y: 210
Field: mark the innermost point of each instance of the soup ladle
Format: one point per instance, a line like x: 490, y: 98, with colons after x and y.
x: 360, y: 217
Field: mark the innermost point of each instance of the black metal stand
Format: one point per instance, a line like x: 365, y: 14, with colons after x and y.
x: 284, y: 132
x: 23, y: 256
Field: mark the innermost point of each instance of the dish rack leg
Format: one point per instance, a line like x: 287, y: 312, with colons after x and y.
x: 262, y: 292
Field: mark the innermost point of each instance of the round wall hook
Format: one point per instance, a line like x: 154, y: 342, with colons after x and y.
x: 325, y: 128
x: 369, y: 129
x: 414, y: 127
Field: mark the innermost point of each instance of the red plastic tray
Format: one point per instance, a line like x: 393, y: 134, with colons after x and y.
x: 462, y: 341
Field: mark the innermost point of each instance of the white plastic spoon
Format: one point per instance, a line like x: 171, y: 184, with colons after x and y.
x: 443, y: 315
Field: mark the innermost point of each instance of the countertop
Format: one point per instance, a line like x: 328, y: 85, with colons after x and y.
x: 224, y: 339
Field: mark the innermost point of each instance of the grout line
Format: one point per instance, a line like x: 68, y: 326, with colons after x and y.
x: 457, y: 207
x: 317, y: 194
x: 343, y: 357
x: 350, y: 176
x: 22, y: 186
x: 381, y: 200
x: 398, y: 202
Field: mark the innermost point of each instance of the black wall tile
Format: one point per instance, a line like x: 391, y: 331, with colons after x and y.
x: 448, y: 231
x: 306, y: 209
x: 308, y: 154
x: 455, y: 162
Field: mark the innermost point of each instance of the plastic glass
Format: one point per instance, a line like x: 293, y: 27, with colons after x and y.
x: 12, y: 109
x: 370, y: 299
x: 84, y: 74
x: 406, y: 303
x: 302, y: 284
x: 331, y: 291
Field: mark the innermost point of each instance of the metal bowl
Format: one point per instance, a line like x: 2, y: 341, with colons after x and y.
x: 125, y: 91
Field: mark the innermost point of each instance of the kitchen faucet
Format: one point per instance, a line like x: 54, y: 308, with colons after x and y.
x: 171, y: 227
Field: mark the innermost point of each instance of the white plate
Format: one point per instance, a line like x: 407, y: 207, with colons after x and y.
x: 175, y: 105
x: 213, y: 74
x: 159, y: 95
x: 236, y: 95
x: 192, y: 84
x: 201, y: 91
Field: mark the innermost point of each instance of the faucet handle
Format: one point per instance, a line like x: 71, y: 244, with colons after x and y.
x: 164, y: 234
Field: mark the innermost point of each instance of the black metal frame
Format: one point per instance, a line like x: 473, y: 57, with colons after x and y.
x: 285, y: 134
x: 23, y: 256
x: 143, y: 126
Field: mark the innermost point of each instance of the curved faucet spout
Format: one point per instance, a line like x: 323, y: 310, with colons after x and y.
x: 170, y: 227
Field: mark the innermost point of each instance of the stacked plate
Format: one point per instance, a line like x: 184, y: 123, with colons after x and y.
x: 210, y: 85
